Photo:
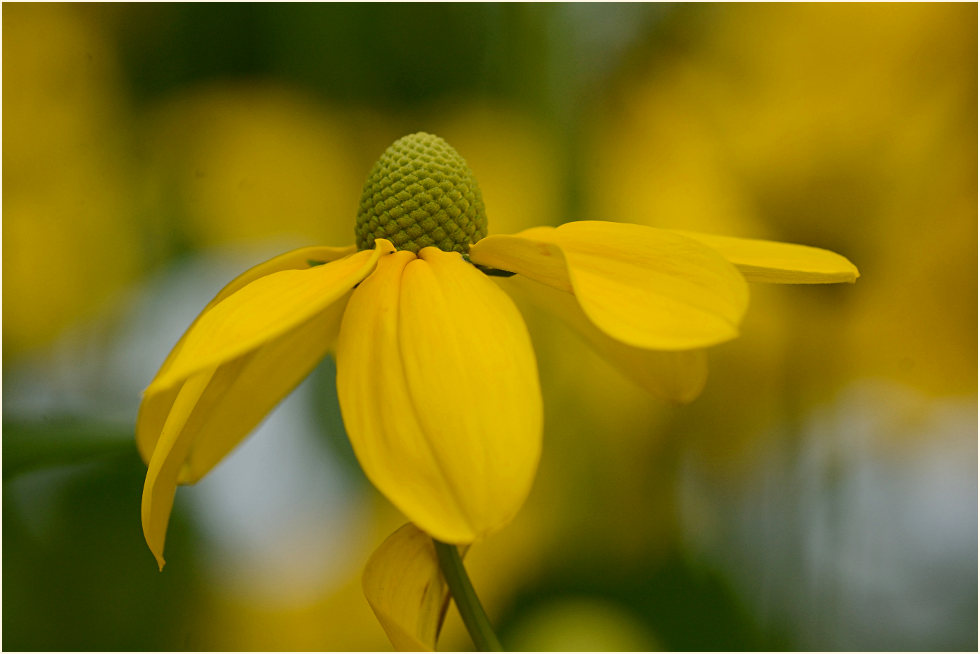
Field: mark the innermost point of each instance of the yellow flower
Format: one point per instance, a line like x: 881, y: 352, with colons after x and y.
x: 435, y: 372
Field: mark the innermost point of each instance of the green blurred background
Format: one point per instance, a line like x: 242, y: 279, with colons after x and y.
x: 821, y: 494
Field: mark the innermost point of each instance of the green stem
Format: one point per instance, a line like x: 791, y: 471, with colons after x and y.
x: 470, y: 609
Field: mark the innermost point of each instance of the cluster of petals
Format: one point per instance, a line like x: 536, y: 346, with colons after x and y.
x: 436, y: 375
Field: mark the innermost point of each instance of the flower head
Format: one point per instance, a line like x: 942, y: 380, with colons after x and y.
x: 435, y: 373
x: 421, y: 193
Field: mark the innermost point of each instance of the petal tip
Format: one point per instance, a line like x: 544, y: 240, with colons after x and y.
x: 156, y: 549
x: 384, y: 246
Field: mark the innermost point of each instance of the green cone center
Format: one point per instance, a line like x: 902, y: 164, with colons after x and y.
x: 421, y: 193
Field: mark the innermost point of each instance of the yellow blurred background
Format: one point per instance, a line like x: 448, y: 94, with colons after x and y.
x: 821, y: 494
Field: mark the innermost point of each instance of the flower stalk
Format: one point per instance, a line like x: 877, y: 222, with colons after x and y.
x: 470, y: 609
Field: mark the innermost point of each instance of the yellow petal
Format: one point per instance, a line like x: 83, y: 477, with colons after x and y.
x: 439, y: 391
x: 406, y: 590
x: 164, y: 465
x: 261, y: 379
x: 299, y: 259
x: 206, y: 422
x: 154, y: 412
x: 187, y: 426
x: 645, y: 287
x: 677, y: 376
x: 780, y: 263
x: 261, y: 312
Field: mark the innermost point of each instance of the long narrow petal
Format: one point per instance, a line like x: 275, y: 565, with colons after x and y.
x: 164, y: 465
x: 261, y: 312
x: 645, y: 287
x: 154, y: 412
x: 210, y: 417
x: 439, y: 391
x: 406, y: 590
x: 780, y: 263
x: 677, y: 376
x: 257, y: 382
x: 190, y: 425
x: 300, y: 259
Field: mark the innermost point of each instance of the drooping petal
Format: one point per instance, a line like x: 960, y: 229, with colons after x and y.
x: 154, y: 412
x: 645, y: 287
x: 780, y: 263
x: 261, y: 379
x: 193, y: 423
x: 406, y: 590
x: 678, y: 376
x: 235, y: 397
x: 260, y: 312
x: 245, y: 390
x: 164, y: 466
x: 439, y: 391
x: 299, y: 259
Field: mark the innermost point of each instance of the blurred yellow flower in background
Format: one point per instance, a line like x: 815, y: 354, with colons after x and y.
x: 69, y: 243
x: 245, y: 162
x: 515, y: 159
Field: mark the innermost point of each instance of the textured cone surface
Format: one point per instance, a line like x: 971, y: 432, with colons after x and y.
x: 421, y: 193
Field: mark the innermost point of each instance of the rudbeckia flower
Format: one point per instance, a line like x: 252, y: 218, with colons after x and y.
x: 436, y: 376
